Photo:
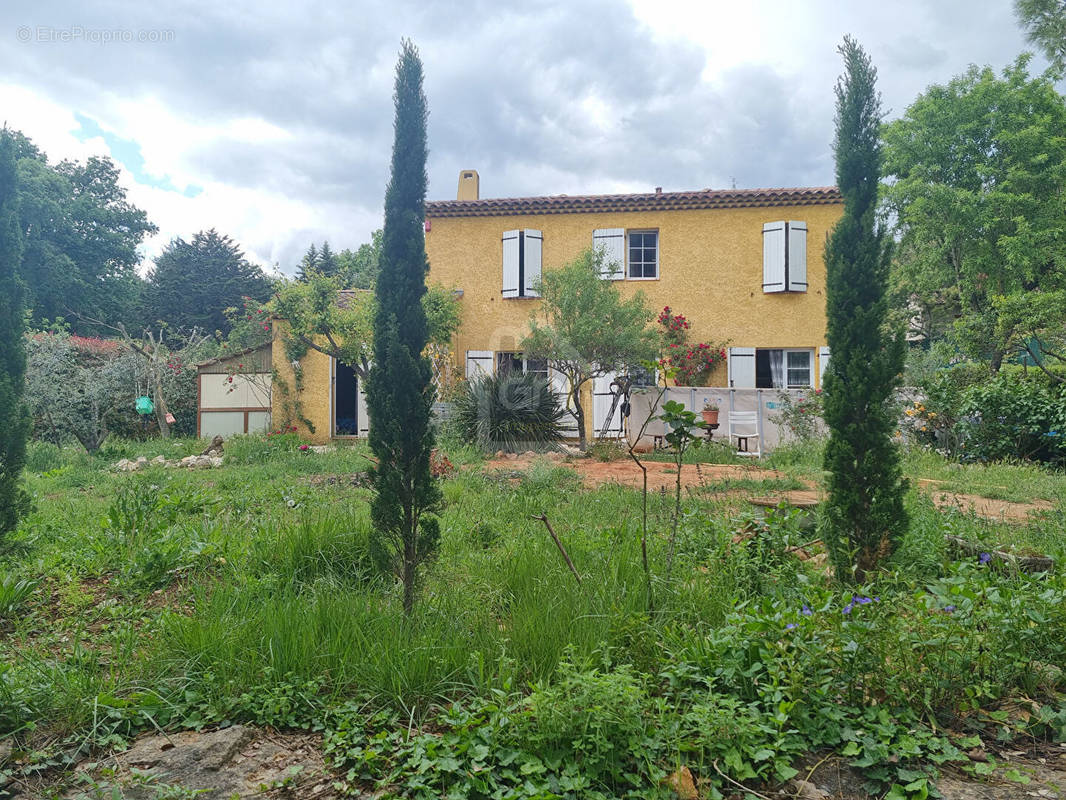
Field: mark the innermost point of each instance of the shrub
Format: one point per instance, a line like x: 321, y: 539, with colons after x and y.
x: 511, y: 412
x: 801, y: 415
x: 1010, y: 418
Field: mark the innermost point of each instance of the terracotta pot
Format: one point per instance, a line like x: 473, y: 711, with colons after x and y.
x: 710, y: 417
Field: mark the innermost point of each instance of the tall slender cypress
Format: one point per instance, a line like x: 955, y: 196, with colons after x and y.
x: 864, y: 519
x: 14, y: 416
x: 400, y: 387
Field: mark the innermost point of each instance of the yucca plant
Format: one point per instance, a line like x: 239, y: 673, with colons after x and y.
x: 513, y: 412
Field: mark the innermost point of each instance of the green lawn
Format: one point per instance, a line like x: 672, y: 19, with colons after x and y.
x: 177, y: 597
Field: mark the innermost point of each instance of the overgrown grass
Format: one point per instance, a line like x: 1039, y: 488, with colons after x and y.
x: 251, y: 592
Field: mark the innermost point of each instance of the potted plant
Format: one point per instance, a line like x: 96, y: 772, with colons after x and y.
x: 710, y: 412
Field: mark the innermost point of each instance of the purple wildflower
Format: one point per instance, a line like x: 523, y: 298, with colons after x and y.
x: 949, y: 609
x: 984, y: 558
x: 862, y: 601
x: 806, y: 610
x: 790, y: 626
x: 847, y: 608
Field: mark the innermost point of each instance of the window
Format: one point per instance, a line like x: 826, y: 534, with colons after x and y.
x: 798, y: 368
x: 627, y: 254
x: 784, y: 257
x: 521, y: 262
x: 643, y: 255
x: 507, y: 363
x: 783, y: 369
x: 641, y: 376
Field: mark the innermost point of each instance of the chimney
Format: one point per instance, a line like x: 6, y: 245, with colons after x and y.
x: 468, y: 185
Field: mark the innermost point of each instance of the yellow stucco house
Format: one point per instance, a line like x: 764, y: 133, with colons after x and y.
x: 744, y: 266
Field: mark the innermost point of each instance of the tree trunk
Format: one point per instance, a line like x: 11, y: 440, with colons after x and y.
x: 579, y: 415
x: 160, y: 405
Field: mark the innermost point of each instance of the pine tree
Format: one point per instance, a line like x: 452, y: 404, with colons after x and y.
x: 400, y: 389
x: 14, y: 416
x: 864, y: 520
x: 308, y: 264
x: 195, y: 282
x: 327, y: 260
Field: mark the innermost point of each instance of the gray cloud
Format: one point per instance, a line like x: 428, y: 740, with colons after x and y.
x: 542, y: 98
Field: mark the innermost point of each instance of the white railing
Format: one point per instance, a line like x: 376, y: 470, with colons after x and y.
x: 766, y: 403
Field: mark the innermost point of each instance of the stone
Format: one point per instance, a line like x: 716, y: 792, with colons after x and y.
x: 188, y: 461
x: 805, y: 790
x: 159, y: 460
x: 683, y: 785
x: 235, y: 762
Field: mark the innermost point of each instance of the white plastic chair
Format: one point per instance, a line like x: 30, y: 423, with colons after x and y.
x: 743, y: 427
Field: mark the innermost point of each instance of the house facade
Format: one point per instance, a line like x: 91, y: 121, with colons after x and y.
x: 745, y: 267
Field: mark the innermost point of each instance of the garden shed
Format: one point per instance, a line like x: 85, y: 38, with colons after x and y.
x: 234, y: 392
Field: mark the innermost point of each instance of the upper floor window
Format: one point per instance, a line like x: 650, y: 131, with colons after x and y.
x: 784, y: 257
x: 643, y: 255
x: 627, y: 254
x: 521, y: 262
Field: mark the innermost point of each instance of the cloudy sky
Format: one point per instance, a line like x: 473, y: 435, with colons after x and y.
x: 272, y: 121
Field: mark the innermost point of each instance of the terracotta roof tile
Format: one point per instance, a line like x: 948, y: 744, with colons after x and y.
x: 654, y: 201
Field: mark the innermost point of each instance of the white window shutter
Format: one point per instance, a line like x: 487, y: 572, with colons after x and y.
x: 613, y: 243
x: 797, y: 256
x: 773, y: 257
x: 742, y: 367
x: 511, y: 248
x: 823, y: 365
x: 478, y: 363
x: 531, y: 261
x: 363, y: 418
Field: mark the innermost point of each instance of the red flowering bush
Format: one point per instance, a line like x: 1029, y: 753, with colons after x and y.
x: 674, y: 327
x: 693, y: 364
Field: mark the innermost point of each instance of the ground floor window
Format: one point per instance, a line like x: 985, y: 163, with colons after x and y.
x: 784, y: 369
x: 642, y: 376
x: 507, y: 363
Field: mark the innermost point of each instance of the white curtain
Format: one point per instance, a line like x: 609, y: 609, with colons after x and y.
x: 777, y: 368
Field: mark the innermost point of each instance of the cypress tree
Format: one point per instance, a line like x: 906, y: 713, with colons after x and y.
x: 14, y: 416
x: 400, y: 388
x: 864, y: 519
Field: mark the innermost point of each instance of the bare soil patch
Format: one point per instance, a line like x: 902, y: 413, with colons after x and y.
x: 985, y: 507
x: 663, y: 475
x: 625, y: 473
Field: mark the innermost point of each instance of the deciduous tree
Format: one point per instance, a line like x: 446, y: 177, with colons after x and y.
x: 1044, y: 23
x: 81, y: 239
x: 864, y: 518
x: 584, y: 329
x: 979, y: 194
